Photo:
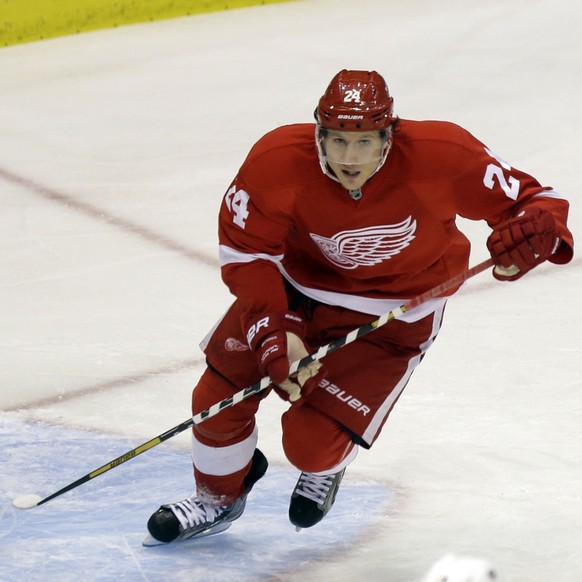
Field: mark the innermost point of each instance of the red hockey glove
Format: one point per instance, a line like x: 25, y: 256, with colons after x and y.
x: 522, y: 243
x: 277, y: 339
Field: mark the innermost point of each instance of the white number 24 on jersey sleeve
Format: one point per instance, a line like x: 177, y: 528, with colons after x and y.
x: 237, y: 201
x: 494, y: 172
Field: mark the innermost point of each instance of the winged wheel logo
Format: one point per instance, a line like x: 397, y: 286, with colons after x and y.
x: 369, y: 246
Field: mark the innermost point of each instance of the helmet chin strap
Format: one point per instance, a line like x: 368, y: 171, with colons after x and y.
x: 357, y: 193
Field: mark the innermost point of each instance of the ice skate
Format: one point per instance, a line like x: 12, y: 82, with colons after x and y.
x: 313, y: 497
x: 192, y: 517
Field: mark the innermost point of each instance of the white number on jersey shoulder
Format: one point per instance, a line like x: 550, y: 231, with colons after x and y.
x: 510, y: 185
x: 237, y: 201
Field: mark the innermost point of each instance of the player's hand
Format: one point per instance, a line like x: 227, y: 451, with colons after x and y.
x: 304, y: 381
x: 522, y: 243
x: 277, y: 339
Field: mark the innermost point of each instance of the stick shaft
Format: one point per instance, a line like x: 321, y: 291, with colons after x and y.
x: 265, y: 382
x: 122, y: 459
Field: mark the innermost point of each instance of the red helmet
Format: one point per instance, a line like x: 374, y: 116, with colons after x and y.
x: 356, y: 101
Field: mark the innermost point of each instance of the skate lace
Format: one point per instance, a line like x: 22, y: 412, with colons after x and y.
x: 314, y: 487
x: 193, y: 512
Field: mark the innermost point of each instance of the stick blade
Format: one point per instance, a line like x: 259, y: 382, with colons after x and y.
x: 26, y: 501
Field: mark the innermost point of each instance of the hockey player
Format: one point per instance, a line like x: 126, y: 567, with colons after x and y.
x: 325, y: 227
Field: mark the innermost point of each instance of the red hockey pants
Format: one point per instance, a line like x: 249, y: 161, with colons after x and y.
x: 364, y: 381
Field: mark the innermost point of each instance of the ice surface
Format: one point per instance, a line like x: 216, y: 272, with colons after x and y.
x: 99, y: 529
x: 115, y: 149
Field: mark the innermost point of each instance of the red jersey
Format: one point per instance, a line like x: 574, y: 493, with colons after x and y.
x: 283, y: 218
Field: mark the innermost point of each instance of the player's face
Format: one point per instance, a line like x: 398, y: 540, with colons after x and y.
x: 353, y: 156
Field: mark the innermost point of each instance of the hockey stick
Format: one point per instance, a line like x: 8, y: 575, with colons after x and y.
x: 28, y: 501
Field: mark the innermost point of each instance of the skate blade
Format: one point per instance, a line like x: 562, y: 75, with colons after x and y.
x: 149, y: 541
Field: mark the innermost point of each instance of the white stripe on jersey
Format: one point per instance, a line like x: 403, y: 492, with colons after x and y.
x: 549, y: 194
x: 358, y: 303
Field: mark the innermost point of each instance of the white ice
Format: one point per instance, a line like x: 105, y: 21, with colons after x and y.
x: 115, y: 149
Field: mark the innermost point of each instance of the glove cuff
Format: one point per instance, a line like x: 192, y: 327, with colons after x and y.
x: 265, y: 325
